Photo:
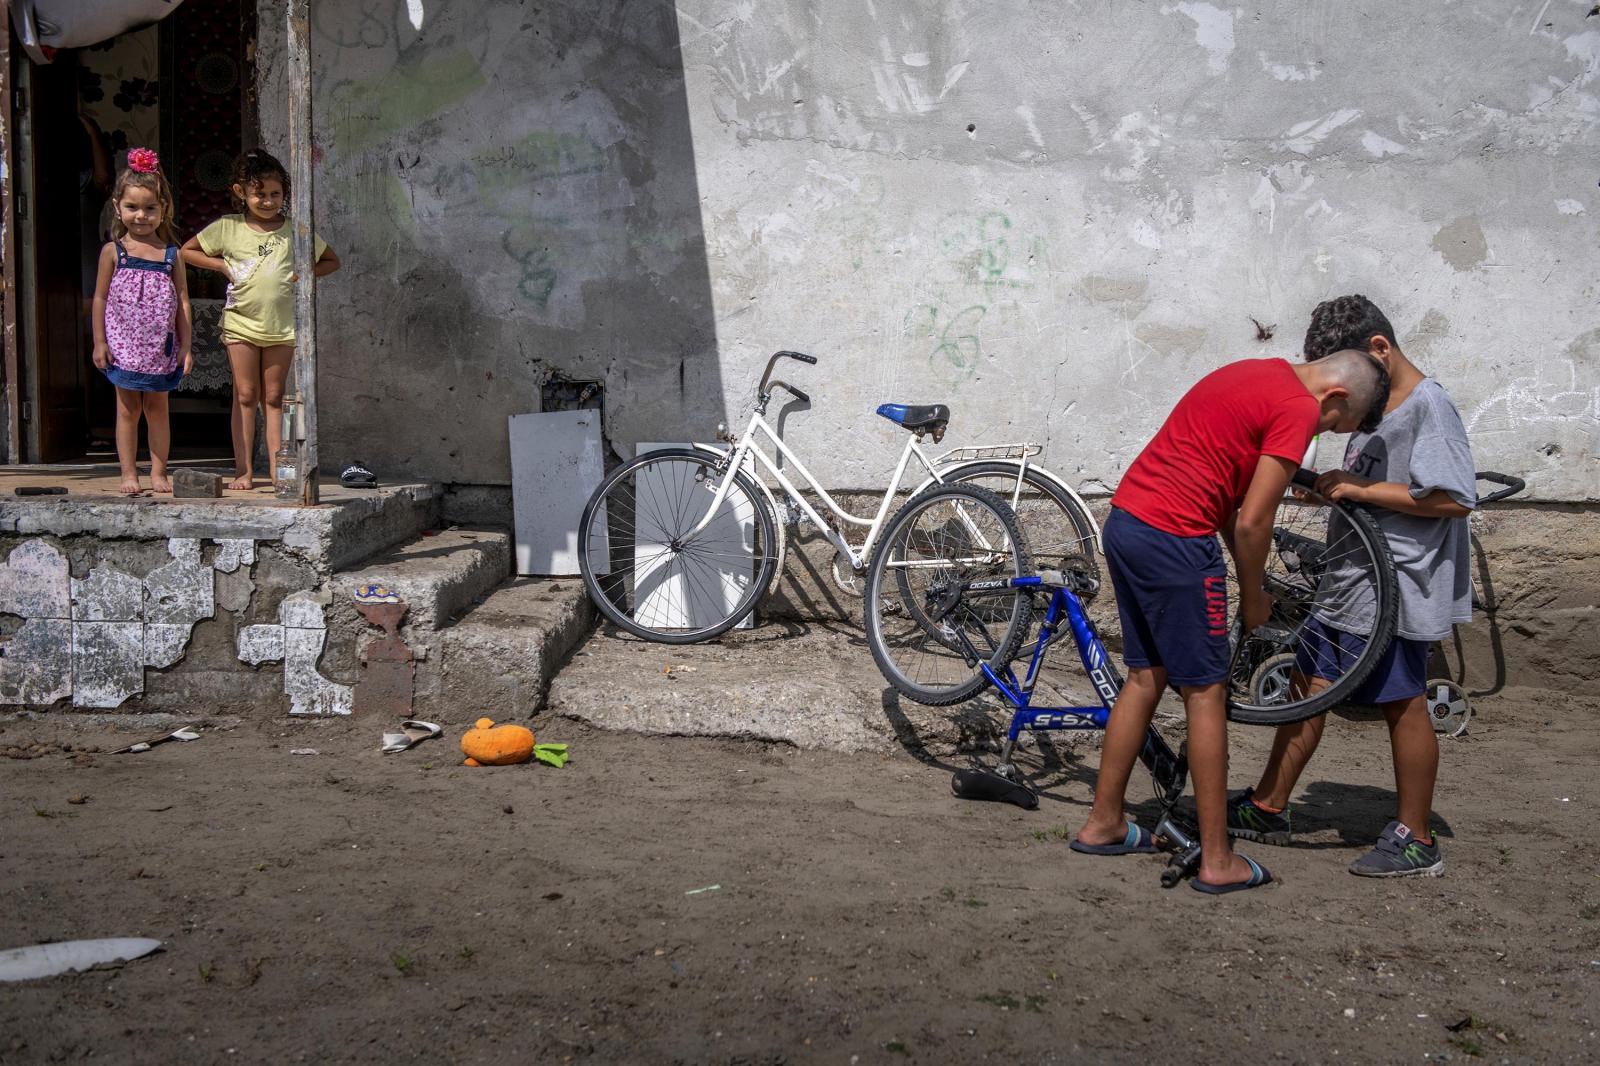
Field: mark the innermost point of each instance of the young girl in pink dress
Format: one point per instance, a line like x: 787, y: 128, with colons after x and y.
x: 141, y: 316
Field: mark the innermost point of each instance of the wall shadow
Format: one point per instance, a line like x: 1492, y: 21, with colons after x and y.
x: 513, y: 191
x: 1451, y: 656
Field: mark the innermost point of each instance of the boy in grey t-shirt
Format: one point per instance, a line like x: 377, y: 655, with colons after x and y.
x: 1416, y: 473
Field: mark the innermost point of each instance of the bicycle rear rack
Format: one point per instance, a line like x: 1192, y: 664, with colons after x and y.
x: 1025, y: 450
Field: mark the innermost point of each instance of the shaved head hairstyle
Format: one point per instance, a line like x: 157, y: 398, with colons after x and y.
x: 1364, y: 378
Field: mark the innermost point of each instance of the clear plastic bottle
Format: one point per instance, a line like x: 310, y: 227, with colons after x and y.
x: 286, y: 472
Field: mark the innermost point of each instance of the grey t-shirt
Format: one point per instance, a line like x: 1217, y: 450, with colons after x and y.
x: 1421, y: 444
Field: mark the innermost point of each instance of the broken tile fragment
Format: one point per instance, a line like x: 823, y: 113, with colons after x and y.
x: 184, y: 549
x: 107, y: 663
x: 107, y: 595
x: 182, y: 592
x: 232, y: 554
x: 309, y: 692
x: 260, y: 644
x: 36, y: 667
x: 164, y: 643
x: 34, y: 582
x: 234, y: 590
x: 301, y: 610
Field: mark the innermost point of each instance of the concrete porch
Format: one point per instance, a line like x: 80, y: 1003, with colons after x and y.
x: 242, y: 605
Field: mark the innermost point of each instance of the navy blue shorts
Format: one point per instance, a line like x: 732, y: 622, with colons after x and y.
x: 1401, y: 673
x: 1172, y: 596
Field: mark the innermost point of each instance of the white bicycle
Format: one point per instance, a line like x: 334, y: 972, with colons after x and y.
x: 680, y: 544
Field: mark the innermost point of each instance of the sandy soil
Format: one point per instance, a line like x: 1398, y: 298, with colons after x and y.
x: 692, y: 900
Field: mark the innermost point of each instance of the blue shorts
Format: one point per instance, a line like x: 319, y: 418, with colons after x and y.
x: 1172, y: 596
x: 1401, y: 673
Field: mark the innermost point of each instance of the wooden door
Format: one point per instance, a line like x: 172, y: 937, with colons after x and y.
x: 61, y: 362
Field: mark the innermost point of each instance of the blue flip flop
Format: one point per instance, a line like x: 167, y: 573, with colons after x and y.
x: 1259, y: 875
x: 1137, y: 842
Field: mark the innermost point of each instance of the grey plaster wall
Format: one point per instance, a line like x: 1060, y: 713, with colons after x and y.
x: 1053, y: 217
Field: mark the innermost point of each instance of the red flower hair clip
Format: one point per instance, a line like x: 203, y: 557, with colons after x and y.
x: 143, y: 160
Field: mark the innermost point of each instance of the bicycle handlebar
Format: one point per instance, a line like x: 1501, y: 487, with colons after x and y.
x: 1307, y: 479
x: 764, y: 389
x: 1513, y: 485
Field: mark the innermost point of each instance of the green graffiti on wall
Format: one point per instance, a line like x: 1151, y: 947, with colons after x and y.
x: 542, y: 155
x: 367, y: 113
x: 954, y: 336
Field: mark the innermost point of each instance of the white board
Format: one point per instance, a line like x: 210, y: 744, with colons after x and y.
x: 663, y: 599
x: 556, y: 463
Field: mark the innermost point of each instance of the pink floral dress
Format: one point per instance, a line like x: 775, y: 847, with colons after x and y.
x: 141, y: 318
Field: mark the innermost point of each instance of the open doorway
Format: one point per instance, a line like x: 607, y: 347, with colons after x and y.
x: 184, y: 86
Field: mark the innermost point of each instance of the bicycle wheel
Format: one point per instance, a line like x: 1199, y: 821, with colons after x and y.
x: 647, y: 569
x: 927, y: 638
x: 1056, y: 525
x: 1332, y: 579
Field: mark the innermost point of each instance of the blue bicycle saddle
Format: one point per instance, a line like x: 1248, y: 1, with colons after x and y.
x: 931, y: 416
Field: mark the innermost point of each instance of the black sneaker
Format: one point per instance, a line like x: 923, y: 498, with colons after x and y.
x: 1400, y: 854
x: 1249, y: 822
x: 357, y: 476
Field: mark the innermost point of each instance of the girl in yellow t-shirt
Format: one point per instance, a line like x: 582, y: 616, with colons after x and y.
x: 252, y: 250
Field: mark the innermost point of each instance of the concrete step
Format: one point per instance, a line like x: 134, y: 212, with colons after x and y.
x: 812, y: 686
x: 499, y: 658
x: 439, y: 576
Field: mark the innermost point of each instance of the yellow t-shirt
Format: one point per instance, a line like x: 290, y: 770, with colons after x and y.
x: 260, y: 302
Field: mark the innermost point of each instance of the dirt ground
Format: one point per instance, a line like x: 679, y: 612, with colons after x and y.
x: 666, y: 899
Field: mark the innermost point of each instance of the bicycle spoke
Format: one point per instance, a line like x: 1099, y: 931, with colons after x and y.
x: 681, y: 566
x: 919, y: 625
x: 1334, y: 604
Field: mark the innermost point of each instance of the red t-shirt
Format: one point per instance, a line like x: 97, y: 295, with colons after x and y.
x: 1192, y: 476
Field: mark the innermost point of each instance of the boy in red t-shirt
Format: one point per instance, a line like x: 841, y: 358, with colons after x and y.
x: 1219, y: 464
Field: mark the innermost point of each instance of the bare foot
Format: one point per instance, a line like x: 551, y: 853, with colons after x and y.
x: 1232, y: 870
x: 130, y: 486
x: 1095, y: 835
x: 161, y: 482
x: 243, y: 481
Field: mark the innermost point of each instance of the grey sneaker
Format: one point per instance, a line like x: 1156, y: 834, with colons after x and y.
x: 1399, y: 854
x: 1249, y: 822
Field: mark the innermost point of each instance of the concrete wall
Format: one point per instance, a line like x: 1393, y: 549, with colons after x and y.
x: 1052, y: 216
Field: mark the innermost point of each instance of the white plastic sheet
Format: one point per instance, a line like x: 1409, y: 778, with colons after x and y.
x: 46, y: 25
x: 47, y: 960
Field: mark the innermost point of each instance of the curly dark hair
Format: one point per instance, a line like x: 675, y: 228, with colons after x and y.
x: 253, y: 168
x: 1346, y: 322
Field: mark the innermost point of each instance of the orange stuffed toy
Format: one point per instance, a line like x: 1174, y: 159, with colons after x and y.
x: 487, y: 744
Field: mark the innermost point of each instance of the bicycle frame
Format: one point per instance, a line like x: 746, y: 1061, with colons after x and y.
x: 1168, y: 769
x: 747, y: 455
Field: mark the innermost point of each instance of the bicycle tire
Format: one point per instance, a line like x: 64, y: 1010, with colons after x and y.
x: 1385, y: 615
x: 1068, y: 541
x: 609, y: 520
x: 882, y: 596
x: 1048, y: 546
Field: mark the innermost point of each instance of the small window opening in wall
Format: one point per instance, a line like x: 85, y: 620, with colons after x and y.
x: 561, y: 393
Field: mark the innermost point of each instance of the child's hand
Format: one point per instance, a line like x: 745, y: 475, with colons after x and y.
x: 102, y: 356
x: 1255, y: 609
x: 188, y: 362
x: 1338, y: 485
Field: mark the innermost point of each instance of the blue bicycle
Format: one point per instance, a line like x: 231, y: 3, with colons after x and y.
x: 950, y: 602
